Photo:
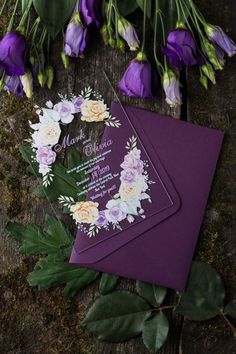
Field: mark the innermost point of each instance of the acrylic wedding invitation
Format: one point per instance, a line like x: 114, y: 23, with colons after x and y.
x: 134, y: 183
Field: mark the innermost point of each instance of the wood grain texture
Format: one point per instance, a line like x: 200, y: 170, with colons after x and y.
x: 43, y: 322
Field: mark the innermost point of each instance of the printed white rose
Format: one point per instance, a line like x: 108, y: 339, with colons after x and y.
x: 44, y: 169
x: 94, y: 111
x: 85, y: 212
x: 48, y: 134
x: 132, y: 191
x: 48, y: 115
x: 66, y: 111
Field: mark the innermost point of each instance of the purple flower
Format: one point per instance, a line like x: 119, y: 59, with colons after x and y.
x: 171, y: 87
x: 115, y: 211
x: 13, y: 54
x: 45, y: 156
x: 181, y: 49
x: 89, y: 11
x: 129, y: 175
x: 127, y: 32
x: 137, y: 79
x: 75, y: 37
x: 219, y: 37
x: 101, y: 220
x: 14, y: 85
x: 77, y: 101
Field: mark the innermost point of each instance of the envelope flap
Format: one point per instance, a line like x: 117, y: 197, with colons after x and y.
x: 159, y: 198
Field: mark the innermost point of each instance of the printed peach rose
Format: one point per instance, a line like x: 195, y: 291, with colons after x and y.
x: 131, y: 191
x: 85, y: 212
x: 94, y: 111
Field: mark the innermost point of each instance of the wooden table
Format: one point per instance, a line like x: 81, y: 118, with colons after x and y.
x: 35, y: 321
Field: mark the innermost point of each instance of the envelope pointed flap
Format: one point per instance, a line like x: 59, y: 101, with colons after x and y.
x: 135, y: 195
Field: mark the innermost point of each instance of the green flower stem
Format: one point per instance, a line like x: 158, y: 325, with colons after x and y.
x: 24, y: 17
x: 197, y: 12
x: 158, y: 63
x: 42, y: 37
x: 179, y: 18
x: 144, y: 26
x: 3, y: 7
x: 34, y: 28
x: 233, y: 329
x: 163, y: 35
x: 11, y: 22
x: 162, y: 308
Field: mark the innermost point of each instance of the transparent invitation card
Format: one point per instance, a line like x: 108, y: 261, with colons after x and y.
x: 89, y: 158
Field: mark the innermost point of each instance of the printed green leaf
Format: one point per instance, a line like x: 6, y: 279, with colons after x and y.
x: 230, y: 309
x: 155, y: 332
x: 127, y: 7
x: 117, y: 317
x: 56, y: 239
x: 50, y: 273
x: 28, y: 155
x: 108, y: 283
x: 149, y: 6
x: 54, y: 13
x: 153, y: 294
x: 205, y: 294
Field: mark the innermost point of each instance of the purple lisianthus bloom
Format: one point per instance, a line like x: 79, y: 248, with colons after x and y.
x: 171, y: 87
x: 45, y: 156
x: 89, y: 10
x: 101, y: 220
x: 13, y: 54
x: 181, y: 49
x: 127, y: 32
x: 14, y: 85
x: 77, y: 102
x: 129, y: 175
x: 137, y: 79
x: 115, y: 211
x: 219, y: 37
x: 75, y: 38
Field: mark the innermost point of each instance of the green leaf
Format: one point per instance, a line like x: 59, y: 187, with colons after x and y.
x: 117, y: 317
x: 50, y: 273
x: 230, y: 309
x: 24, y: 4
x: 57, y: 239
x: 127, y: 7
x: 28, y: 156
x: 153, y: 294
x: 205, y: 294
x: 108, y: 283
x: 155, y: 332
x: 149, y: 6
x: 54, y: 13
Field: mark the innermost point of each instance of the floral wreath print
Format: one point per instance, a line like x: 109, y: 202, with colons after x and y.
x: 46, y: 134
x: 125, y: 205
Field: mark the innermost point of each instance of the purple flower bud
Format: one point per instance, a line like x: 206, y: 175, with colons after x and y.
x: 45, y: 155
x: 89, y: 11
x: 75, y: 37
x: 137, y: 79
x: 13, y: 54
x: 171, y: 87
x: 14, y: 85
x: 181, y: 49
x: 219, y: 37
x: 127, y: 32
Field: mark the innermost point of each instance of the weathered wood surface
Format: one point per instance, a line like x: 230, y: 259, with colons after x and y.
x: 44, y: 322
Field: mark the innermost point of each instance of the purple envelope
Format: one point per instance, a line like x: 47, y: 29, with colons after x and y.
x: 157, y: 246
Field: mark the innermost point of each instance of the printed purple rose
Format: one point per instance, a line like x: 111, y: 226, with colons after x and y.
x: 181, y: 49
x: 66, y: 110
x: 101, y: 220
x: 127, y: 32
x: 90, y: 11
x: 13, y: 54
x: 77, y: 102
x: 116, y: 211
x: 171, y: 87
x: 219, y: 37
x: 45, y: 156
x: 131, y: 162
x: 137, y: 79
x: 14, y: 85
x: 129, y: 175
x: 75, y: 38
